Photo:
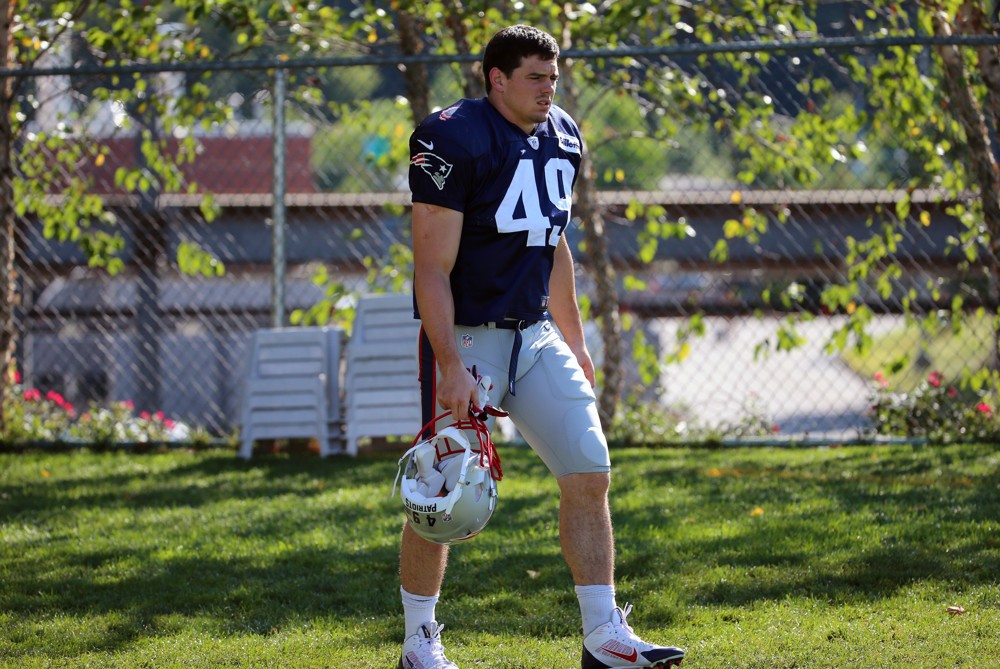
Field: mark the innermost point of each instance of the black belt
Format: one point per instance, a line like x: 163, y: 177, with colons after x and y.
x: 515, y: 351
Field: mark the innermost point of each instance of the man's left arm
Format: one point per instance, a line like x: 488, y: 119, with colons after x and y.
x: 564, y: 308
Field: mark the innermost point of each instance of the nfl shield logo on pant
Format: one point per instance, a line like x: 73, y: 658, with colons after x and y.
x: 466, y: 341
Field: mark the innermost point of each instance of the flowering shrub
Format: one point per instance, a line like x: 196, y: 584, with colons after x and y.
x: 935, y: 410
x: 33, y: 417
x: 106, y: 426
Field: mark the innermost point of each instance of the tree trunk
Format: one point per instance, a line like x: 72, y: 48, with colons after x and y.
x: 972, y: 20
x: 472, y: 74
x: 605, y: 304
x: 606, y: 295
x: 8, y: 300
x: 989, y: 67
x: 414, y: 74
x: 978, y: 135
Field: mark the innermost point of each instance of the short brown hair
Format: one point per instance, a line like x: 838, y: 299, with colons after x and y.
x: 511, y: 45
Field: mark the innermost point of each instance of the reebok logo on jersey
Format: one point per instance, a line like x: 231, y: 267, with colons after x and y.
x: 435, y: 166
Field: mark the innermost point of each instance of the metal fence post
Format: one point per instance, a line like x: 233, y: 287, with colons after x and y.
x: 150, y: 248
x: 278, y: 191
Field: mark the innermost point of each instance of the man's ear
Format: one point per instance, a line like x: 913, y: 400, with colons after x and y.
x: 497, y: 78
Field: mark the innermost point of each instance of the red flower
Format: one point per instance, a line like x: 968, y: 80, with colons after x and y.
x: 17, y: 376
x: 882, y: 381
x: 55, y: 398
x: 983, y: 407
x: 952, y: 392
x: 159, y: 415
x: 934, y: 378
x: 145, y: 415
x: 32, y: 395
x: 128, y: 404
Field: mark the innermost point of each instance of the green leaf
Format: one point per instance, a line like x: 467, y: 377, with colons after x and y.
x: 720, y: 252
x: 193, y: 260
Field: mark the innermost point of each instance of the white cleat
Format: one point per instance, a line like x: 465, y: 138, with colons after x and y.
x: 423, y: 650
x: 614, y: 645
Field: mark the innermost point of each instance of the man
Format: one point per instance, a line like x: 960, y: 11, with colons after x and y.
x: 492, y: 183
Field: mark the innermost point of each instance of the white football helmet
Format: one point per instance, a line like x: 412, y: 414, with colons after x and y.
x: 462, y: 509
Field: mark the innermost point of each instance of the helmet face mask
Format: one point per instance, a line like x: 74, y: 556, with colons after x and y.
x: 461, y: 512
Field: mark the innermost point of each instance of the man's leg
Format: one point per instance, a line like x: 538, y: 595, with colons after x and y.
x: 586, y: 536
x: 421, y: 571
x: 587, y: 539
x: 556, y: 411
x: 585, y: 531
x: 421, y: 564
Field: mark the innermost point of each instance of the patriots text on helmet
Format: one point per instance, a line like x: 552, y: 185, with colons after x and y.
x: 422, y: 508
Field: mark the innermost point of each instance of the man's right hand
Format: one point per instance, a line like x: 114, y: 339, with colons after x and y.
x: 457, y: 391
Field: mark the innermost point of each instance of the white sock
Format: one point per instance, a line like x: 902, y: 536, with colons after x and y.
x: 597, y: 602
x: 417, y: 610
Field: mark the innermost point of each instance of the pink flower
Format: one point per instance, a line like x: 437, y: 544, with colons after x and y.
x: 127, y: 404
x: 159, y: 415
x: 882, y: 381
x: 983, y: 407
x: 952, y: 392
x: 145, y: 415
x: 55, y: 398
x: 32, y: 395
x: 934, y: 378
x: 17, y: 376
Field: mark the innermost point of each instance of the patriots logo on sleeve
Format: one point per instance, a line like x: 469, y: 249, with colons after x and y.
x: 435, y: 166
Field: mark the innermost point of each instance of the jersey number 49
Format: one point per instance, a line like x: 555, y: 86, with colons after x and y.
x: 558, y: 176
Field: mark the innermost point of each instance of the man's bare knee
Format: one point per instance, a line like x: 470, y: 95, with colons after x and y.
x: 586, y: 486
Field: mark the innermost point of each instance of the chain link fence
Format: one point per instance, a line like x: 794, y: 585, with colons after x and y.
x: 710, y: 269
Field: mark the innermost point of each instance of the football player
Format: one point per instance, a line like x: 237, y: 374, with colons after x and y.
x: 494, y: 289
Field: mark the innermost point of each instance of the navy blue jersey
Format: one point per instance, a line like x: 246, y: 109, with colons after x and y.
x: 515, y: 191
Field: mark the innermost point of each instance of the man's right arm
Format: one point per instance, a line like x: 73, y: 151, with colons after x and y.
x: 437, y: 232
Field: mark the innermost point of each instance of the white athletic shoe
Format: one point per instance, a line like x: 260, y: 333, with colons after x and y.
x: 614, y: 645
x: 423, y: 650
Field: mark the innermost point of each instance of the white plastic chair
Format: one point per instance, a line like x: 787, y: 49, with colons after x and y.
x: 293, y: 388
x: 381, y: 391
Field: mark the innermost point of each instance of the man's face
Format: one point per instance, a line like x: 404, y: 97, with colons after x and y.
x: 525, y: 97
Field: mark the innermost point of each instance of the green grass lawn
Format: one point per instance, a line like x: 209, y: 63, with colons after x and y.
x: 840, y: 557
